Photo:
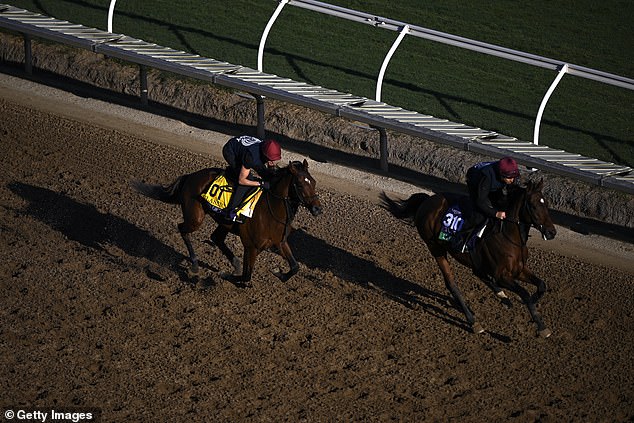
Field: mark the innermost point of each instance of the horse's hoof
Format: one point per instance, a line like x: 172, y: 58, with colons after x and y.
x: 236, y: 280
x: 278, y: 274
x: 545, y: 333
x: 506, y: 303
x: 228, y: 276
x: 193, y: 273
x: 477, y: 328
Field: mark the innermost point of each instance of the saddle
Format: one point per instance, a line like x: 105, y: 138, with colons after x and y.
x: 219, y: 192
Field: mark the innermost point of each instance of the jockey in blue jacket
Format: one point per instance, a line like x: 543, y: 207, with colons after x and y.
x: 487, y: 183
x: 244, y: 154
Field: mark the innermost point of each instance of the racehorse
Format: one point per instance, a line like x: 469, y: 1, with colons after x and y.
x: 500, y: 256
x: 268, y: 227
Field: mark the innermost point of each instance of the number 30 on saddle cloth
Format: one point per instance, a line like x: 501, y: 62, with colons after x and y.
x: 451, y: 224
x: 219, y: 192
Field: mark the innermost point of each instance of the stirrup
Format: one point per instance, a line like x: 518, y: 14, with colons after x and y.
x: 233, y: 216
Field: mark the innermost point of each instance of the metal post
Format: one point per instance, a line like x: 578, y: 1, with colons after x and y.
x: 387, y: 59
x: 260, y: 132
x: 110, y: 14
x: 383, y: 154
x: 143, y: 78
x: 542, y: 106
x: 265, y: 34
x: 28, y: 55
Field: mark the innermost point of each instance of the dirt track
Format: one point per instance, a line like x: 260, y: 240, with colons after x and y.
x: 97, y: 310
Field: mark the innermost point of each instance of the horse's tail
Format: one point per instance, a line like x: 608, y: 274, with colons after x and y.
x: 158, y: 192
x: 403, y: 209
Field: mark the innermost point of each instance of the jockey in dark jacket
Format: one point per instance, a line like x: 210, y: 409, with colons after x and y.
x: 244, y: 154
x: 487, y: 183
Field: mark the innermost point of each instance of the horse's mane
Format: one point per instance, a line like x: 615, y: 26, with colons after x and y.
x: 279, y: 172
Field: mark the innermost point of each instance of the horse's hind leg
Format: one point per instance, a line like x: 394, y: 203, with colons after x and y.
x: 190, y: 249
x: 193, y: 216
x: 450, y: 283
x: 493, y: 285
x: 218, y: 237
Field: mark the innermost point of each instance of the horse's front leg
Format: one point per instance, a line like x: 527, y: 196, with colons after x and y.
x: 250, y: 254
x: 218, y: 238
x: 286, y: 252
x: 450, y: 283
x: 531, y: 301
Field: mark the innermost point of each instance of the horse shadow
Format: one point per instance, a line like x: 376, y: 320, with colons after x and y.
x: 317, y: 254
x: 99, y: 231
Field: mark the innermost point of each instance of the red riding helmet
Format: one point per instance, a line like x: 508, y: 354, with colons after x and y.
x: 271, y: 150
x: 508, y: 168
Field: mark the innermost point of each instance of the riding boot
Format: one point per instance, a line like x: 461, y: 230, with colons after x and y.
x: 239, y: 191
x: 472, y: 238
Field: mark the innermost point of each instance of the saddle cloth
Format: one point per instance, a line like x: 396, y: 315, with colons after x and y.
x: 219, y: 193
x: 452, y: 224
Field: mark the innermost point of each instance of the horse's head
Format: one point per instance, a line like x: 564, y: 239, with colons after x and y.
x: 304, y: 187
x: 536, y: 210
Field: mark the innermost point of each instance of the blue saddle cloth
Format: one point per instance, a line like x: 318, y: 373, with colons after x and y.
x: 452, y: 224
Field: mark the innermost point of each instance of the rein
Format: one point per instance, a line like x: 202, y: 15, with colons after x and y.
x: 523, y: 227
x: 287, y: 203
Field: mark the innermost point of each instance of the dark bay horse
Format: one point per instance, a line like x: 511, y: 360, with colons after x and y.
x: 501, y: 254
x: 269, y: 226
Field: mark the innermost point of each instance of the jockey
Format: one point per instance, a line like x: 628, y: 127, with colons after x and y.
x: 487, y: 183
x: 244, y: 154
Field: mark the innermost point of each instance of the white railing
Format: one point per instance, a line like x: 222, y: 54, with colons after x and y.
x: 453, y: 40
x: 407, y: 29
x: 378, y: 115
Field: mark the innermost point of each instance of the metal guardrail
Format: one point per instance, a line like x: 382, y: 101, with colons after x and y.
x: 404, y: 29
x: 374, y: 113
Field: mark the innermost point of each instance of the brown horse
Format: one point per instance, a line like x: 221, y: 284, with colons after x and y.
x: 269, y: 226
x: 501, y: 254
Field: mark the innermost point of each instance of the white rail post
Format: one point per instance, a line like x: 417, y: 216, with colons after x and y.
x: 538, y: 119
x: 110, y: 13
x: 387, y: 59
x: 265, y: 34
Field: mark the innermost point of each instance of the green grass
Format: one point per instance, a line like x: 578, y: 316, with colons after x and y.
x: 582, y: 116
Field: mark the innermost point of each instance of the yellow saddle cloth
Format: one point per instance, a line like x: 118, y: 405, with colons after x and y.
x: 219, y: 194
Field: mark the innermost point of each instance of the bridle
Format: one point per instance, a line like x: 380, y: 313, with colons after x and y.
x: 303, y: 200
x: 528, y: 210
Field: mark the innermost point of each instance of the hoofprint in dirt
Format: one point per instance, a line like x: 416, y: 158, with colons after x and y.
x: 97, y: 310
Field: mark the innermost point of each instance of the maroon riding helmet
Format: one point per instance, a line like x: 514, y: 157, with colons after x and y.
x: 271, y: 150
x: 508, y: 168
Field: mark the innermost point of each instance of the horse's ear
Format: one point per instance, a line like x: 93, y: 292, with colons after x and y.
x: 535, y: 186
x: 305, y: 164
x: 291, y: 167
x: 540, y: 185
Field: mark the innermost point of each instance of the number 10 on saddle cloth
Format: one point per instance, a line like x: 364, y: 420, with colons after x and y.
x: 220, y: 191
x: 451, y: 224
